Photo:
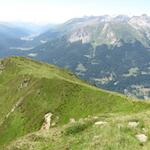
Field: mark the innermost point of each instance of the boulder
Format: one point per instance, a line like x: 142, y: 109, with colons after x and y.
x: 47, y: 121
x: 72, y: 120
x: 100, y: 123
x: 142, y: 138
x: 133, y: 124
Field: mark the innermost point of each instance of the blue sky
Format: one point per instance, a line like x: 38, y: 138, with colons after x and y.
x: 57, y: 11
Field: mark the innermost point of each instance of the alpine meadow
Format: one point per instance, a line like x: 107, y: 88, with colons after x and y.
x: 74, y: 75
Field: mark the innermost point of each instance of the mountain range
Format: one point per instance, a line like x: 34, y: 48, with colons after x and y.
x: 110, y: 52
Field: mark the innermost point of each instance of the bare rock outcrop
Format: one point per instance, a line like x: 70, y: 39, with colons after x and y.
x: 2, y: 67
x: 24, y: 83
x: 47, y: 121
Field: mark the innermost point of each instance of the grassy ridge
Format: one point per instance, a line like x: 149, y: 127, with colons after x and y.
x: 36, y: 88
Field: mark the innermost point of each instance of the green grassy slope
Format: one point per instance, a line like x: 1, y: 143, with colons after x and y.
x: 30, y: 89
x: 115, y: 134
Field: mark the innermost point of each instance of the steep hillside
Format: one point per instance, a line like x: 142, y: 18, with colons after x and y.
x: 111, y: 52
x: 31, y: 89
x: 124, y: 69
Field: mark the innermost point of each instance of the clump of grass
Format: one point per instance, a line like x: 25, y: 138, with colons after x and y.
x: 78, y: 127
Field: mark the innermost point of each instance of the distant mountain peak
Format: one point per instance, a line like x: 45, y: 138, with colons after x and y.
x: 108, y: 29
